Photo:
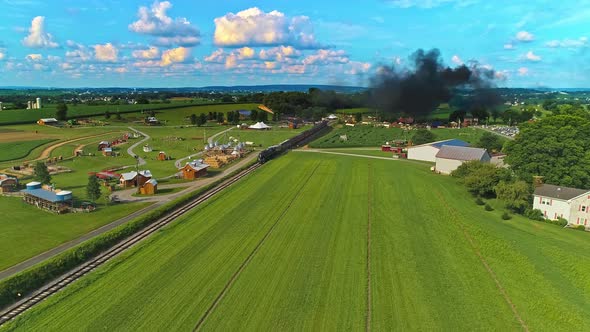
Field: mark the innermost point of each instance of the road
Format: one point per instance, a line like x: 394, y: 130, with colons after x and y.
x: 158, y: 201
x: 140, y: 160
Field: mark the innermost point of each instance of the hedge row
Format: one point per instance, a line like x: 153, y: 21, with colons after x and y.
x: 16, y: 287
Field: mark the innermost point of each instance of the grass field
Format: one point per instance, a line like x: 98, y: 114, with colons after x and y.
x: 30, y: 231
x: 19, y: 149
x: 318, y: 242
x: 375, y: 136
x: 177, y: 116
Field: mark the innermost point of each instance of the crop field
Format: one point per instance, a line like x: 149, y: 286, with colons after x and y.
x: 19, y: 149
x: 323, y: 242
x: 30, y: 231
x: 375, y: 136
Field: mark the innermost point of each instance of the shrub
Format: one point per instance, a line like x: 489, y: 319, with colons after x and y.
x: 534, y: 214
x: 580, y: 227
x: 561, y: 222
x: 506, y: 216
x: 479, y: 201
x: 488, y: 207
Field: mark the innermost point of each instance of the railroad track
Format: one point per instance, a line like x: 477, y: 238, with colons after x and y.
x: 75, y: 274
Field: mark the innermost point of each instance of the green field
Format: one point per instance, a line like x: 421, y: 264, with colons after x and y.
x: 178, y: 116
x: 20, y: 149
x: 360, y: 136
x: 290, y: 246
x: 30, y: 231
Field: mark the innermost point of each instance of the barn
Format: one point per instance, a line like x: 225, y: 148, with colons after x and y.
x: 47, y: 122
x: 428, y: 151
x: 150, y: 187
x: 8, y: 184
x: 555, y: 202
x: 194, y: 169
x: 54, y: 201
x: 449, y: 158
x: 134, y: 179
x: 103, y: 145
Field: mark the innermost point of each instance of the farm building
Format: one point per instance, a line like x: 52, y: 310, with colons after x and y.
x: 194, y: 169
x: 107, y: 152
x: 7, y: 183
x: 332, y: 117
x: 450, y: 157
x: 149, y: 188
x: 151, y: 121
x: 147, y: 148
x: 162, y: 156
x: 54, y: 201
x: 134, y: 179
x: 103, y: 145
x: 47, y: 122
x: 562, y: 202
x: 428, y: 151
x: 259, y: 126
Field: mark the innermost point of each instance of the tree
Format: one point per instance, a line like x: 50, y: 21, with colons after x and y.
x: 457, y: 116
x: 61, y: 112
x: 93, y: 189
x: 202, y: 119
x: 262, y: 116
x: 143, y: 100
x: 423, y: 136
x: 490, y: 142
x: 495, y: 114
x: 194, y: 119
x: 253, y: 115
x: 358, y: 117
x: 118, y: 116
x: 42, y: 173
x: 230, y: 117
x: 107, y: 115
x: 220, y: 117
x: 554, y: 147
x: 481, y: 178
x: 516, y: 195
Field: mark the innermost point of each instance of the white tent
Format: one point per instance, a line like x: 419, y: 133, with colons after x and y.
x: 259, y: 125
x: 332, y: 117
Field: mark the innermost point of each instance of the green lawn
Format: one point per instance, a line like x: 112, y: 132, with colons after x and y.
x: 294, y: 235
x: 28, y: 231
x: 359, y: 136
x: 178, y: 116
x: 19, y: 149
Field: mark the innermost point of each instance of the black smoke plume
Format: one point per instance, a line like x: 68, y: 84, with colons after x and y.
x: 419, y: 90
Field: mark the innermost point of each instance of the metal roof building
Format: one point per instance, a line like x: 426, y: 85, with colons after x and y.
x: 449, y: 158
x: 428, y: 151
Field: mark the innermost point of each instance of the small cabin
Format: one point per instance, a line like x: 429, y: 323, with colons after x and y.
x: 8, y: 184
x: 103, y: 145
x: 194, y: 169
x: 162, y: 156
x: 134, y: 179
x: 150, y: 187
x: 107, y: 152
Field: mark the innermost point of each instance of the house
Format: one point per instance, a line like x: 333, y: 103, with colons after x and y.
x: 8, y: 184
x: 449, y: 157
x: 134, y: 179
x: 107, y: 152
x: 47, y: 122
x: 194, y: 169
x: 103, y: 145
x: 556, y: 202
x: 54, y: 201
x: 150, y: 187
x: 162, y: 156
x: 428, y: 151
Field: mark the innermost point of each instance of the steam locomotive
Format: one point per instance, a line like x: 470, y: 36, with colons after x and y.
x: 273, y: 151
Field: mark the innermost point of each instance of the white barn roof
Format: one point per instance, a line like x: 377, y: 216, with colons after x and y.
x: 461, y: 153
x: 259, y: 125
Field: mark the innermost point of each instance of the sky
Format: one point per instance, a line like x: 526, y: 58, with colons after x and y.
x: 178, y: 43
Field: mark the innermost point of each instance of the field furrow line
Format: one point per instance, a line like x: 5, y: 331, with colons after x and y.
x: 249, y: 258
x: 369, y: 218
x: 483, y: 261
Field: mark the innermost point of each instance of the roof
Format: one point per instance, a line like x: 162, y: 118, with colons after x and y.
x: 259, y: 125
x: 49, y: 120
x: 104, y: 142
x: 131, y: 175
x: 244, y: 112
x: 153, y: 182
x: 461, y: 153
x: 559, y: 192
x: 6, y: 179
x: 438, y: 144
x: 45, y: 194
x: 107, y: 150
x: 196, y: 165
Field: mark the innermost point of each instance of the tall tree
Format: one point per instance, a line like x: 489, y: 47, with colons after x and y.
x: 61, y: 112
x: 194, y: 119
x: 516, y: 196
x: 490, y: 142
x: 42, y: 173
x: 423, y: 136
x: 358, y: 117
x: 93, y: 189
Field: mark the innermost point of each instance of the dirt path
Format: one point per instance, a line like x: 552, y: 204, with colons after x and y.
x: 79, y: 147
x: 484, y: 263
x: 244, y: 264
x: 47, y: 151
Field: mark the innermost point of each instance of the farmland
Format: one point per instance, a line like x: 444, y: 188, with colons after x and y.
x: 20, y: 149
x: 359, y: 136
x: 347, y: 244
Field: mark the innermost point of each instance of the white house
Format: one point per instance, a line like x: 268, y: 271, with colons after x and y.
x: 449, y: 158
x: 428, y: 151
x: 562, y: 202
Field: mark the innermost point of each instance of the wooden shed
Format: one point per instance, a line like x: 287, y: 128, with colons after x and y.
x: 162, y: 156
x: 149, y: 188
x: 194, y: 169
x: 107, y: 152
x: 134, y: 179
x: 103, y: 145
x: 8, y: 184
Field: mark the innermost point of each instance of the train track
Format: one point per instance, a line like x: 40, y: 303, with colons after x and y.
x: 75, y: 274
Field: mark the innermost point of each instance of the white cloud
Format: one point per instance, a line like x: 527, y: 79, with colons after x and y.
x: 358, y: 68
x: 174, y: 55
x: 568, y: 43
x: 105, y: 53
x: 324, y: 57
x: 151, y: 53
x: 530, y: 56
x: 230, y: 61
x: 155, y: 22
x: 501, y: 75
x: 457, y: 60
x: 280, y: 53
x: 253, y: 27
x: 2, y: 54
x: 38, y: 37
x: 34, y: 57
x: 525, y: 36
x: 509, y: 46
x: 218, y: 56
x: 523, y: 71
x: 246, y: 53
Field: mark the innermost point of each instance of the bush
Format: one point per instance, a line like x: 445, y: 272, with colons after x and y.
x: 506, y: 216
x: 579, y: 227
x: 488, y: 207
x: 561, y: 222
x: 534, y: 214
x: 479, y: 201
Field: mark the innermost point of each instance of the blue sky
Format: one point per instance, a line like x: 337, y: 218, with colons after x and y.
x: 96, y: 43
